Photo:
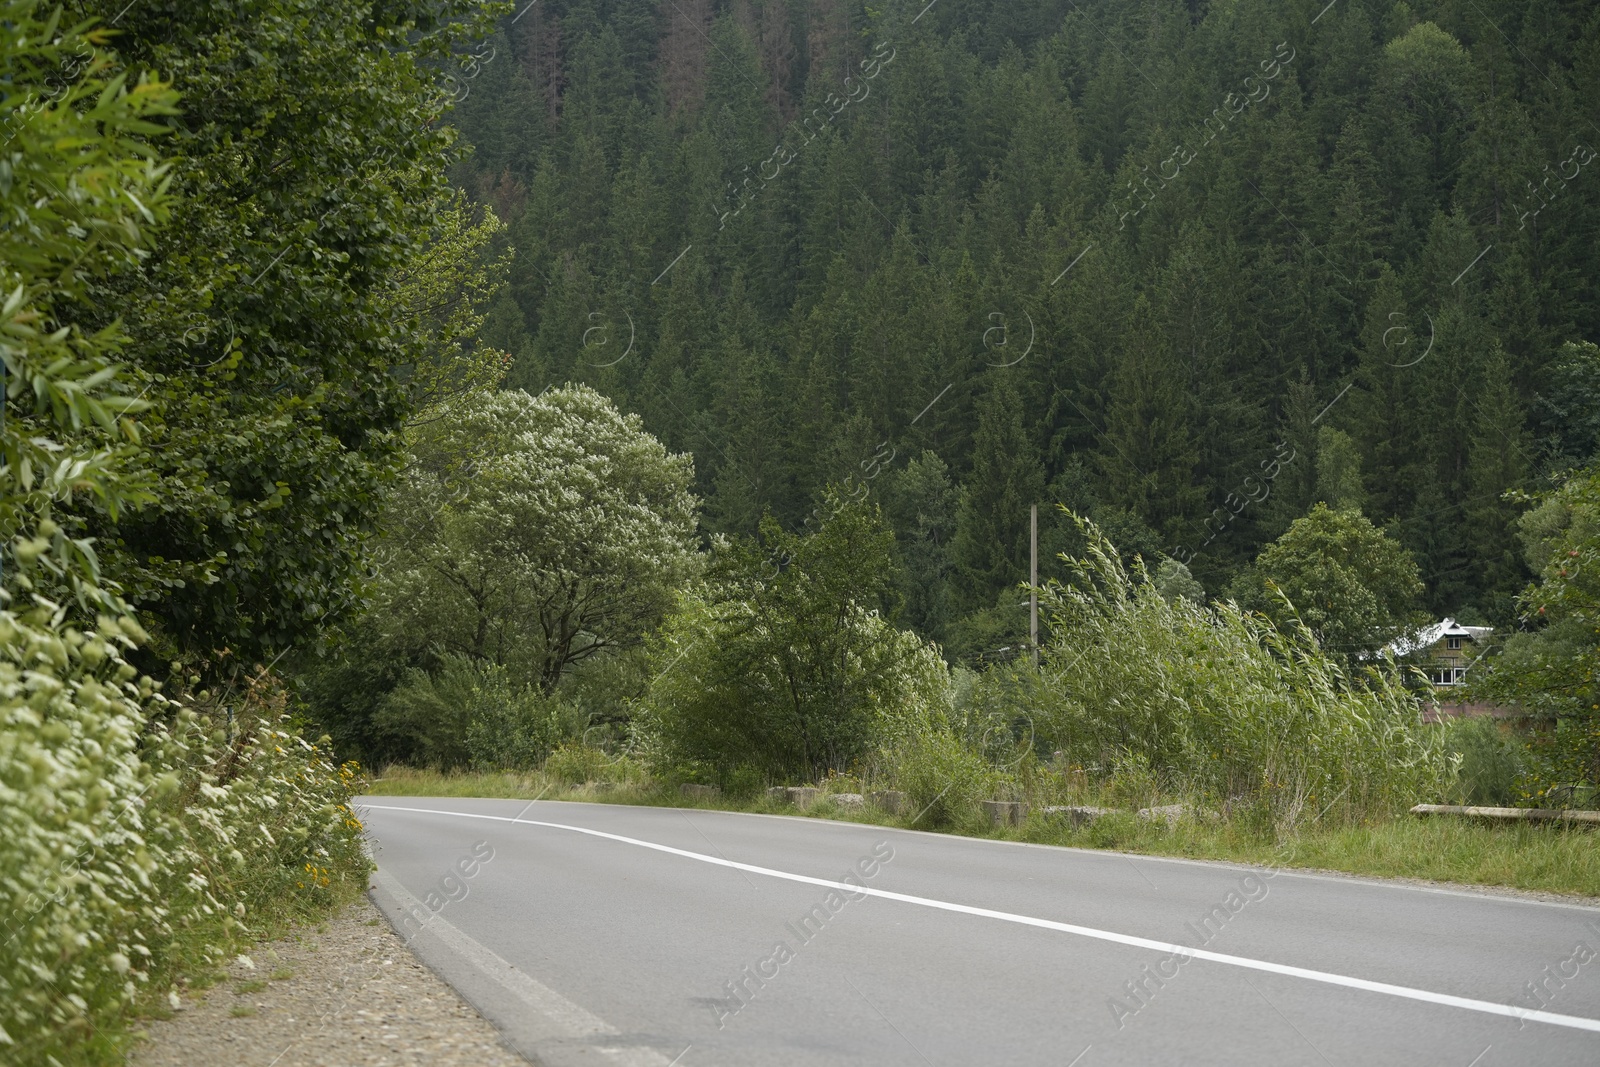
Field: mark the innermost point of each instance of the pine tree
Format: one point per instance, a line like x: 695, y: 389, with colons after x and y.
x: 1148, y: 452
x: 922, y: 509
x: 1498, y: 459
x: 990, y: 548
x: 1383, y: 409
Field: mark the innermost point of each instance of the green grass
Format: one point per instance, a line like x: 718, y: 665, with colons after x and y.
x: 1550, y: 858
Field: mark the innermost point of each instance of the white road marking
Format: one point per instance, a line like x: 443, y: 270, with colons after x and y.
x: 1488, y: 1007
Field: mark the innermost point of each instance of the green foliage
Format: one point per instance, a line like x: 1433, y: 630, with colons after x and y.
x: 1564, y: 768
x: 1013, y: 211
x: 1339, y: 575
x: 944, y: 779
x: 922, y: 503
x: 1553, y: 668
x: 1173, y: 580
x: 1492, y: 760
x: 575, y: 763
x: 265, y: 337
x: 79, y: 188
x: 1339, y: 471
x: 139, y: 840
x: 533, y: 532
x: 137, y: 831
x: 990, y: 546
x: 1217, y: 703
x: 786, y: 664
x: 445, y: 290
x: 471, y: 713
x: 1568, y: 405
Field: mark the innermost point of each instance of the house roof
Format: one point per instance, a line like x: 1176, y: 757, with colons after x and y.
x: 1429, y: 636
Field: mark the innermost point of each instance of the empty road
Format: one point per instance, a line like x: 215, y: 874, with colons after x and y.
x: 604, y: 934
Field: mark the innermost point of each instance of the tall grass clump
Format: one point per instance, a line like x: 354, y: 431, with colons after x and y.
x: 1221, y: 705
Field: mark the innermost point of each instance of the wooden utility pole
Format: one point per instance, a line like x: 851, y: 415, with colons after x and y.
x: 1033, y: 581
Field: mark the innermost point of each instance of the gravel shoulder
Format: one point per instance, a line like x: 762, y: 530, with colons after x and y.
x: 347, y: 993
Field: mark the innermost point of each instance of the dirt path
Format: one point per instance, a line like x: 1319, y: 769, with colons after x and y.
x: 350, y: 996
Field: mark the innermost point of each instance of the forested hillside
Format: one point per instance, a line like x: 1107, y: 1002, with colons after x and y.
x: 1187, y: 268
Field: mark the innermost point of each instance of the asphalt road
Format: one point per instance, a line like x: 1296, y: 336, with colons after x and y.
x: 604, y: 934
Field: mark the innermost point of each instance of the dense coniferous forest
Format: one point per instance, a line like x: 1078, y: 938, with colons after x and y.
x: 1188, y: 268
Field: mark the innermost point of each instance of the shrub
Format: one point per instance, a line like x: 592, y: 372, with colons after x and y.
x: 473, y: 713
x: 1490, y: 762
x: 743, y: 781
x: 574, y: 763
x: 791, y: 670
x: 139, y: 840
x: 1561, y: 766
x: 944, y: 779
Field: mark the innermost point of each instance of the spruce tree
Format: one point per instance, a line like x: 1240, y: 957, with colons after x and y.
x: 991, y: 539
x: 1149, y: 453
x: 1498, y: 460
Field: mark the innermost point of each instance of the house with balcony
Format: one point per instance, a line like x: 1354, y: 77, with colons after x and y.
x: 1445, y: 650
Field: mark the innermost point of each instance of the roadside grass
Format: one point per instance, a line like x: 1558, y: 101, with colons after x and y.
x: 1557, y: 858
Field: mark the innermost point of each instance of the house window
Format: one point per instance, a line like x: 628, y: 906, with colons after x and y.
x: 1452, y: 642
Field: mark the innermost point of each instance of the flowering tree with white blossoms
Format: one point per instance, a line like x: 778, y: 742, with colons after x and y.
x: 535, y: 532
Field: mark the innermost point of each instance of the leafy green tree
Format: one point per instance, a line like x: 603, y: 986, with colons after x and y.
x: 923, y: 504
x: 445, y: 292
x: 787, y: 665
x: 265, y: 338
x: 1553, y: 668
x: 1342, y: 577
x: 1173, y: 580
x: 82, y: 188
x: 534, y: 532
x: 1338, y: 471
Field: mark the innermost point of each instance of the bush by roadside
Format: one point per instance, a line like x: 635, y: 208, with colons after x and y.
x: 140, y: 844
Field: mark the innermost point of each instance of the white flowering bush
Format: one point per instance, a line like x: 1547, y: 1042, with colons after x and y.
x: 137, y: 842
